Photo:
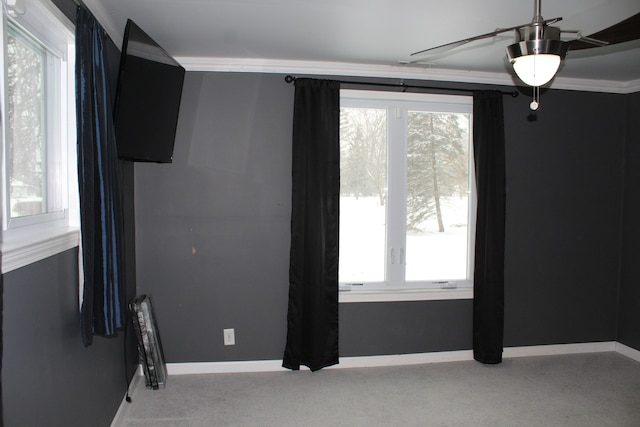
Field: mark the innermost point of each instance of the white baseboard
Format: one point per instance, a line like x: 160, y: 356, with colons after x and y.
x: 345, y: 362
x: 554, y: 349
x: 628, y: 351
x: 402, y: 359
x: 224, y: 367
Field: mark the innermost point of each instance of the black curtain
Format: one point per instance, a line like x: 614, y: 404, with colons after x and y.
x: 101, y: 223
x: 488, y: 300
x: 312, y: 319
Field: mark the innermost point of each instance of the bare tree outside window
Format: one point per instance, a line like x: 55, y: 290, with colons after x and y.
x: 438, y: 163
x: 363, y: 152
x: 26, y: 63
x: 437, y: 219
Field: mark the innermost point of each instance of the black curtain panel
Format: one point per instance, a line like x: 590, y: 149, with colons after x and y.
x: 101, y: 223
x: 312, y: 319
x: 488, y: 300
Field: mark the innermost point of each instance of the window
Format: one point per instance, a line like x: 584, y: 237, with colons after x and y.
x: 39, y: 165
x: 407, y: 196
x: 33, y: 152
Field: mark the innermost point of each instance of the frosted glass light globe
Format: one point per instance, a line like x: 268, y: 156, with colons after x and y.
x: 536, y: 70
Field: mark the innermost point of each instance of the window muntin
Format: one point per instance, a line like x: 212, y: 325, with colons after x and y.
x: 417, y: 229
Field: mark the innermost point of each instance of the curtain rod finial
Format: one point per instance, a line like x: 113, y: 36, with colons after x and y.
x: 289, y: 79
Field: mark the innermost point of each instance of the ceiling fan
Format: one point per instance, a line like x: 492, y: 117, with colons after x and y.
x: 538, y: 49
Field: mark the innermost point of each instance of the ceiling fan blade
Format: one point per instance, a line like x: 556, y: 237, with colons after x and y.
x: 453, y: 45
x: 623, y: 31
x: 443, y: 48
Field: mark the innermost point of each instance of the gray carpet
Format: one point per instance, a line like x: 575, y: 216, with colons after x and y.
x: 600, y: 389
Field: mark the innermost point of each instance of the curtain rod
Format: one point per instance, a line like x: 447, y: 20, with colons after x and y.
x: 514, y: 93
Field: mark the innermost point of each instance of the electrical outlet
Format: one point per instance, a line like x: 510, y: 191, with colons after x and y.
x: 229, y: 336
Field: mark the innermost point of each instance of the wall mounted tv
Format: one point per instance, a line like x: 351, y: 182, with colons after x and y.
x: 147, y: 99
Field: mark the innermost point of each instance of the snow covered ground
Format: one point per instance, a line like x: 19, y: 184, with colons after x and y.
x: 430, y: 255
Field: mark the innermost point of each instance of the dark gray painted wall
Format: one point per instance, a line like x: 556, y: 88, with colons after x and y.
x: 564, y: 179
x: 629, y: 308
x: 68, y: 7
x: 48, y: 376
x: 213, y: 229
x: 404, y: 327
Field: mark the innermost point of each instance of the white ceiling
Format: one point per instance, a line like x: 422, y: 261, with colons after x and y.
x: 371, y: 37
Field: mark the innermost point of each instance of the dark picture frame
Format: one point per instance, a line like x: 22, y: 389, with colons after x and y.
x: 149, y: 344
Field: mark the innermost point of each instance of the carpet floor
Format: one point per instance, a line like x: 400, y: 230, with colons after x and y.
x: 598, y: 389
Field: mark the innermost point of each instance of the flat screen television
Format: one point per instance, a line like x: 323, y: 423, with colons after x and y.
x: 147, y: 99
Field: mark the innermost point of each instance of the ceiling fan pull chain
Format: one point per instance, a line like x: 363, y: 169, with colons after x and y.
x: 535, y: 104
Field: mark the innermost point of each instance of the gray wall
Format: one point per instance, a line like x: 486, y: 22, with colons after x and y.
x: 48, y: 376
x: 213, y: 229
x: 629, y: 309
x: 564, y: 199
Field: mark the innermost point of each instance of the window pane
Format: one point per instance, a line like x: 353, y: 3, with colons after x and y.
x: 26, y: 128
x: 437, y: 220
x: 363, y: 185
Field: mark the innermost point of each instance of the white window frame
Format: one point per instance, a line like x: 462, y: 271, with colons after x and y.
x: 396, y: 289
x: 33, y: 238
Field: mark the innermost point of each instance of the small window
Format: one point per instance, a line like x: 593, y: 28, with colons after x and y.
x: 38, y: 127
x: 35, y: 163
x: 407, y: 196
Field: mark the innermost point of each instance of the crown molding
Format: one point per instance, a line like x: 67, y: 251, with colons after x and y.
x: 591, y: 85
x: 399, y: 71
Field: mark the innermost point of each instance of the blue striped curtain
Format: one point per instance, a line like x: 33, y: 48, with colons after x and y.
x: 101, y: 217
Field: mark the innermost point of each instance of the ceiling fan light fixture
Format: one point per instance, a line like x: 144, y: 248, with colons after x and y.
x: 537, y: 61
x: 536, y: 70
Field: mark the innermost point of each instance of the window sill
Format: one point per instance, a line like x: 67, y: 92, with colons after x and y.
x: 24, y: 248
x: 404, y: 295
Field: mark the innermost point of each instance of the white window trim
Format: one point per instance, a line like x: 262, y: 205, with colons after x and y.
x: 349, y: 293
x: 30, y: 243
x: 17, y: 253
